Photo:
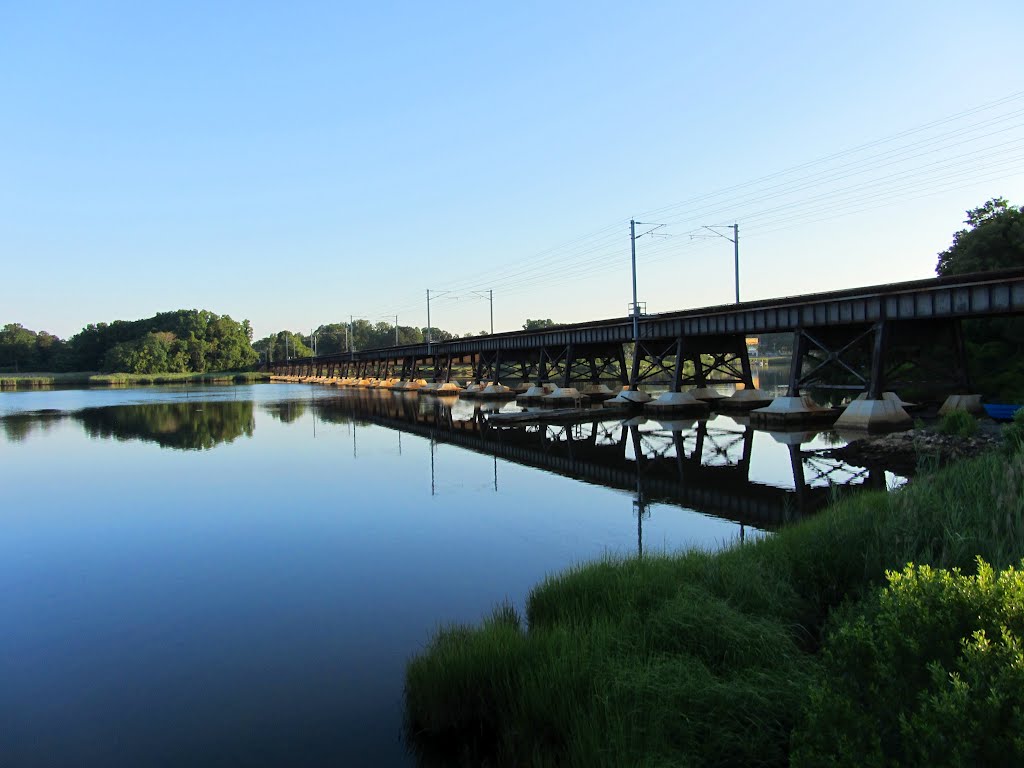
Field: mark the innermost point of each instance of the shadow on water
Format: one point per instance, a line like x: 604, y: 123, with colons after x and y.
x: 195, y: 425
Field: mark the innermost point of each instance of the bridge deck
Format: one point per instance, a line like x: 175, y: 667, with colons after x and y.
x: 957, y: 297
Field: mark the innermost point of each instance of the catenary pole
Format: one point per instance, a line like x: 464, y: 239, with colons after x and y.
x: 736, y: 257
x: 636, y: 307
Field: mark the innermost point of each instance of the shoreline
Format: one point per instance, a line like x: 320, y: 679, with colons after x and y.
x: 16, y: 381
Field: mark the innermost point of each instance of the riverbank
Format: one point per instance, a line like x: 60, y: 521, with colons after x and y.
x: 700, y: 658
x: 94, y: 379
x: 907, y: 452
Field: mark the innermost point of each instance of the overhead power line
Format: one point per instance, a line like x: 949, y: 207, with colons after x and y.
x: 980, y: 143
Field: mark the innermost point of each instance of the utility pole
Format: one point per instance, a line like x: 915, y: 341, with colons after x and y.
x: 736, y: 257
x: 396, y: 330
x: 632, y: 247
x: 636, y: 307
x: 735, y: 240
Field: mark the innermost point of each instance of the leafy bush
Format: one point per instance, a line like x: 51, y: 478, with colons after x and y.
x: 959, y: 424
x: 930, y: 671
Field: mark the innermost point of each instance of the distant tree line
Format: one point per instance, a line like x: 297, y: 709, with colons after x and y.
x: 334, y: 337
x: 183, y: 341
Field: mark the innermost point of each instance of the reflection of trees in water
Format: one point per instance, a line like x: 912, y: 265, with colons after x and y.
x: 18, y: 426
x: 187, y: 426
x: 287, y: 411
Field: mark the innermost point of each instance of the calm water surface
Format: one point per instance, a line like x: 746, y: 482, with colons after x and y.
x: 236, y: 576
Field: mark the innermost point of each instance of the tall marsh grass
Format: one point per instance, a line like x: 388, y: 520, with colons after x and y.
x: 692, y: 659
x: 89, y: 378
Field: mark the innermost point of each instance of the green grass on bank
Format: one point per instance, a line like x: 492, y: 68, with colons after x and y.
x: 695, y: 659
x: 91, y: 378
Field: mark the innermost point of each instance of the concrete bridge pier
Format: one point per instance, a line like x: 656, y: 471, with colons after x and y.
x: 675, y: 400
x: 969, y: 403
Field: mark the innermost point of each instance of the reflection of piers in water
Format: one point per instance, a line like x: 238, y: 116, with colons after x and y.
x: 688, y: 463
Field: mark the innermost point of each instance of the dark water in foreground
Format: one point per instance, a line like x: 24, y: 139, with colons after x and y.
x: 236, y: 576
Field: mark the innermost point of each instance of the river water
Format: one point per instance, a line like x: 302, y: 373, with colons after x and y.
x: 236, y: 576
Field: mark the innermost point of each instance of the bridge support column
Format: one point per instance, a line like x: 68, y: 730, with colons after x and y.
x: 634, y: 371
x: 623, y: 375
x: 878, y: 411
x: 796, y: 363
x: 878, y: 355
x: 496, y: 378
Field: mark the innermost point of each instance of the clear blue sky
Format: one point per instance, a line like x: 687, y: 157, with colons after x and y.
x: 294, y: 163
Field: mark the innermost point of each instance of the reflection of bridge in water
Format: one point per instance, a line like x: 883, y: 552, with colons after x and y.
x: 695, y: 464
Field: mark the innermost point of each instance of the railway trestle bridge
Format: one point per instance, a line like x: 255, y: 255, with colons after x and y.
x: 866, y: 340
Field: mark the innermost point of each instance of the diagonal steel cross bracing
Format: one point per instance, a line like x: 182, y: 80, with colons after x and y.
x: 698, y: 361
x: 917, y: 356
x: 575, y: 363
x: 496, y: 365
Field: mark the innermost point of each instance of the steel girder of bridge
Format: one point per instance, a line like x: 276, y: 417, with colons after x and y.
x: 859, y: 339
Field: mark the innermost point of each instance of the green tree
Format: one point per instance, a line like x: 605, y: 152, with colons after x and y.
x: 26, y: 350
x: 332, y: 338
x: 437, y: 334
x: 18, y: 347
x: 283, y: 345
x: 88, y: 347
x: 148, y: 354
x: 409, y: 335
x: 994, y: 239
x: 194, y: 340
x: 537, y: 325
